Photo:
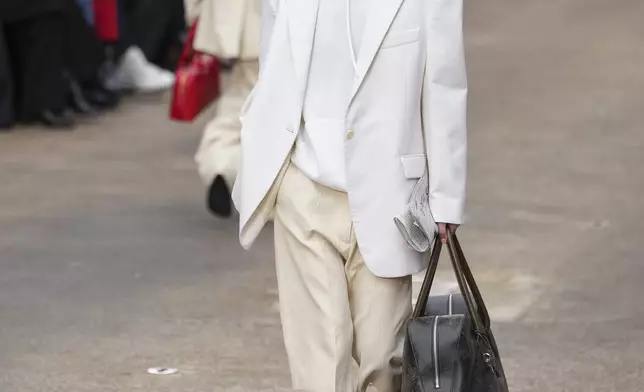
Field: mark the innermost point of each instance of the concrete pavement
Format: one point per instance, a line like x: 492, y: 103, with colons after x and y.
x: 109, y: 263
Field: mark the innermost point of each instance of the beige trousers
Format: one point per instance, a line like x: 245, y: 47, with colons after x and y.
x: 343, y: 326
x: 219, y: 152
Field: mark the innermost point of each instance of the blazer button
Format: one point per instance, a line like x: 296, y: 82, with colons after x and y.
x: 350, y: 134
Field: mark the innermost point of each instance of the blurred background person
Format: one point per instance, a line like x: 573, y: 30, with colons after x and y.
x: 35, y: 39
x: 228, y: 29
x: 54, y: 64
x: 55, y: 59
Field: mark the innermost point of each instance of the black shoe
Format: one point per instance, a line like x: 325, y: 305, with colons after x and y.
x: 219, y: 202
x: 77, y: 100
x: 227, y: 64
x: 102, y: 98
x: 57, y: 120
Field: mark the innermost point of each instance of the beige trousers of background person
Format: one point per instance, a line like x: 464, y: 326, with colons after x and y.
x: 335, y: 312
x: 219, y: 150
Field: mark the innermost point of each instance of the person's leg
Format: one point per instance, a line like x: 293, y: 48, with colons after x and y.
x: 84, y: 54
x: 38, y: 45
x: 85, y: 59
x: 310, y: 225
x: 380, y: 308
x: 173, y: 41
x: 6, y: 86
x: 219, y: 151
x: 153, y: 23
x: 117, y: 49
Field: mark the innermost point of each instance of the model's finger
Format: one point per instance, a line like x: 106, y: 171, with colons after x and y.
x: 442, y: 231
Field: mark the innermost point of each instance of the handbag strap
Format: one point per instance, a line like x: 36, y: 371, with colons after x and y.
x: 483, y: 312
x: 469, y: 277
x: 188, y: 50
x: 426, y: 287
x: 467, y: 285
x: 474, y: 303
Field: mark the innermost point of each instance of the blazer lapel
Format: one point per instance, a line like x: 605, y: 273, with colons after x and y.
x: 378, y: 22
x: 302, y: 18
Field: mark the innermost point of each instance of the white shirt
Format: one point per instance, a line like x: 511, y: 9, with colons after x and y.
x: 319, y: 149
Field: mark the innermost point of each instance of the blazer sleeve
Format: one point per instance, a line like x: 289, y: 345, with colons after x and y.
x: 444, y: 109
x: 269, y: 11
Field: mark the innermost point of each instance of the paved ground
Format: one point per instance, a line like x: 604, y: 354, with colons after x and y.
x: 109, y: 264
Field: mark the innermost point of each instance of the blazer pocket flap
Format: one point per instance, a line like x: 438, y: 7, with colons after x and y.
x: 394, y: 39
x: 414, y: 165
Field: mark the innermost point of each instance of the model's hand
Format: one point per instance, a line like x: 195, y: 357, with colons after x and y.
x: 442, y: 230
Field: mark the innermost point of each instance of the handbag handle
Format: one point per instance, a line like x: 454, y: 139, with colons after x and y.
x: 430, y: 274
x: 188, y: 50
x: 467, y: 285
x: 469, y: 277
x: 455, y: 247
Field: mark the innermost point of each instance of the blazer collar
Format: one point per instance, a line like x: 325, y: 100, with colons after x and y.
x: 302, y: 18
x: 380, y: 18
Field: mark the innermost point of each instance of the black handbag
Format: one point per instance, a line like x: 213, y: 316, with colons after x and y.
x: 449, y: 345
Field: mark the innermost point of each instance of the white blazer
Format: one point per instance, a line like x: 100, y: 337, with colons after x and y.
x: 407, y: 112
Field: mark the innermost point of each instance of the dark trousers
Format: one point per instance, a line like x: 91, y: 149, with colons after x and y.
x: 155, y: 26
x: 47, y: 49
x: 6, y: 90
x: 36, y: 47
x: 84, y: 52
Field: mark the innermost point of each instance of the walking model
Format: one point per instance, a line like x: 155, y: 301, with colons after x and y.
x: 228, y: 29
x: 356, y: 99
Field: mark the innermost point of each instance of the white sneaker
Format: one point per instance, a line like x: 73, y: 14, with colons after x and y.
x: 135, y: 72
x: 154, y: 79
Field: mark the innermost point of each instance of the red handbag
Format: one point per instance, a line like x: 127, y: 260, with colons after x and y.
x: 106, y: 19
x: 197, y: 81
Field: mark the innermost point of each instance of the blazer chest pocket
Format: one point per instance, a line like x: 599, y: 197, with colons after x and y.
x: 399, y: 38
